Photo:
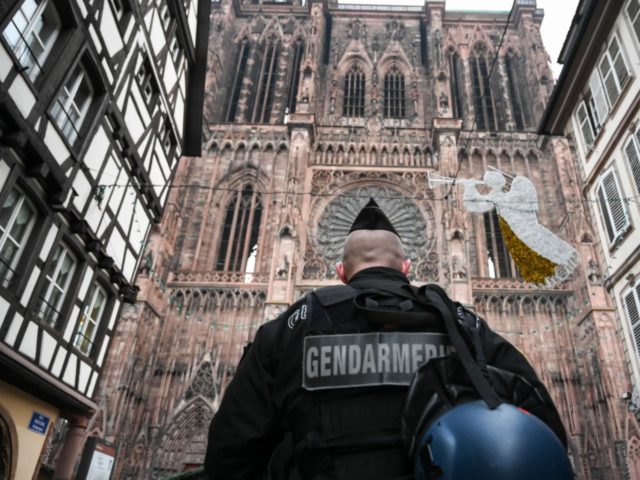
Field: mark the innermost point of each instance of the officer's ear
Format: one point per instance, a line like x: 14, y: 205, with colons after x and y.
x: 341, y: 273
x: 406, y: 265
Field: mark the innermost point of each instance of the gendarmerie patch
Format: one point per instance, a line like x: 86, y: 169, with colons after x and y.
x: 366, y: 359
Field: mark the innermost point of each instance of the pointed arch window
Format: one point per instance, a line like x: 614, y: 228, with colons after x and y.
x: 516, y: 94
x: 266, y: 83
x: 394, y: 97
x: 298, y: 51
x: 483, y: 99
x: 354, y: 83
x: 498, y: 258
x: 455, y: 83
x: 241, y: 68
x: 240, y: 229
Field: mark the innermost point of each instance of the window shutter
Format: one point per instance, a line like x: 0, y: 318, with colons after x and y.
x: 613, y: 207
x: 632, y: 152
x: 633, y: 312
x: 585, y: 127
x: 619, y: 65
x: 604, y: 208
x: 599, y: 99
x: 608, y: 78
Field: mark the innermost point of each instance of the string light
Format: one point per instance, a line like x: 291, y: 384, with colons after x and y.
x: 537, y: 331
x: 627, y: 200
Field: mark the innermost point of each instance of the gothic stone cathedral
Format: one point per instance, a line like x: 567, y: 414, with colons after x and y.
x: 311, y: 109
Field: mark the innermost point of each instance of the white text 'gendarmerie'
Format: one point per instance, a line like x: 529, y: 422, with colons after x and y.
x: 379, y: 358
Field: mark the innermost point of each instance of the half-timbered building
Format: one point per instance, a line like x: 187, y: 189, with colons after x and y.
x: 98, y: 100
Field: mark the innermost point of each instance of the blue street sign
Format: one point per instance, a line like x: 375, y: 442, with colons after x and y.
x: 39, y: 423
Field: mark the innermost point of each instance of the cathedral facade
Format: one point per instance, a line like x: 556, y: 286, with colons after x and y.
x: 311, y: 108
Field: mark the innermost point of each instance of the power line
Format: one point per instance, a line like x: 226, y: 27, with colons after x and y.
x: 482, y: 98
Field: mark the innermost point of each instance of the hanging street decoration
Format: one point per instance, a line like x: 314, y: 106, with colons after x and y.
x: 541, y: 256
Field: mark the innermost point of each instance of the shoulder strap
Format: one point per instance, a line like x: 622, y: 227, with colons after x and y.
x: 436, y: 297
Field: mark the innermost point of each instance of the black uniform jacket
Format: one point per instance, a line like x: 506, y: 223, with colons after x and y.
x: 266, y: 399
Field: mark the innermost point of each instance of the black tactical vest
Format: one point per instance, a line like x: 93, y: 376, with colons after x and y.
x: 347, y: 425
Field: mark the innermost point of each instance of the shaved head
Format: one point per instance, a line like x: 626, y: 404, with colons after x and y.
x: 371, y: 248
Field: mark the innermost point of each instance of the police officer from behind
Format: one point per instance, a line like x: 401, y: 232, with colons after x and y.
x: 323, y: 385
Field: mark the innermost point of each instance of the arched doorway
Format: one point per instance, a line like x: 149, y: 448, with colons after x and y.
x: 8, y: 448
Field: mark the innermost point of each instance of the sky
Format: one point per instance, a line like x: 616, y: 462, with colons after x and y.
x: 557, y: 17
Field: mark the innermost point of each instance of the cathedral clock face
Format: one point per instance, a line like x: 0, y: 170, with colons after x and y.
x: 404, y: 214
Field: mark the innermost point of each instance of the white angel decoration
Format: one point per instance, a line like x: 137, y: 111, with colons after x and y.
x: 540, y: 255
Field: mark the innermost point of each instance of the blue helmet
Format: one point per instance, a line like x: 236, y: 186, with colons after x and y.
x: 471, y: 441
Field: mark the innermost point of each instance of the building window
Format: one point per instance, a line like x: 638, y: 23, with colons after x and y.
x: 120, y: 8
x: 147, y: 83
x: 17, y: 217
x: 605, y: 86
x: 613, y: 70
x: 614, y: 211
x: 166, y: 137
x: 588, y: 121
x: 633, y: 11
x: 32, y: 32
x: 394, y: 103
x: 298, y: 53
x: 56, y: 286
x: 632, y: 154
x: 456, y: 81
x: 483, y: 100
x: 175, y: 51
x: 516, y: 94
x: 90, y: 320
x: 243, y: 57
x: 498, y: 259
x: 266, y: 84
x: 354, y: 84
x: 632, y: 306
x: 72, y: 103
x: 240, y: 229
x: 165, y: 16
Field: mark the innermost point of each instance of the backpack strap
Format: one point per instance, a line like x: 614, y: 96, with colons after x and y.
x: 436, y: 297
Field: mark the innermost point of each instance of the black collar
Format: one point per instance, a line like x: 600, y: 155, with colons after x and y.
x: 372, y: 275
